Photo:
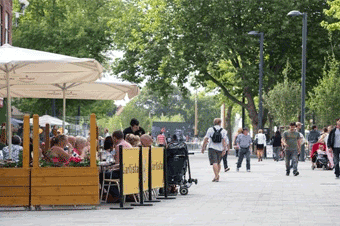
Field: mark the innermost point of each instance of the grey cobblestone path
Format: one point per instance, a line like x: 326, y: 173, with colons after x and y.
x: 265, y: 196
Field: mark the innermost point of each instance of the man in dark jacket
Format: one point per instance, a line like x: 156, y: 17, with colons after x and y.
x: 333, y: 144
x: 134, y: 128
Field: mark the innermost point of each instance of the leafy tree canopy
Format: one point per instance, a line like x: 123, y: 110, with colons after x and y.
x: 168, y: 41
x: 324, y: 99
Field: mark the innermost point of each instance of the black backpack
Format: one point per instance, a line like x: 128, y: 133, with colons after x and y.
x: 217, y: 136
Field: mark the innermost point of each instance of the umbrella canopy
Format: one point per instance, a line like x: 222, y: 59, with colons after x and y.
x: 16, y: 122
x: 82, y: 91
x: 46, y: 119
x: 26, y: 66
x: 85, y: 91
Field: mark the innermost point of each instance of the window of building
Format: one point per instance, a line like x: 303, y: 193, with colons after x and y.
x: 6, y: 28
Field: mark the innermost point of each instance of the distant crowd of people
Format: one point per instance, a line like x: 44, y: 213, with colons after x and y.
x: 323, y: 148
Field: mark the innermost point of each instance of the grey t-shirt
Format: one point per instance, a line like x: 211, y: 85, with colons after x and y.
x: 291, y: 139
x: 243, y: 140
x: 337, y: 138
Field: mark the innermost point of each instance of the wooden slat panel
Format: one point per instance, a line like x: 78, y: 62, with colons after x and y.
x: 64, y: 172
x: 64, y: 191
x: 65, y: 200
x: 64, y: 181
x: 14, y: 172
x: 14, y: 201
x: 14, y: 191
x: 14, y: 181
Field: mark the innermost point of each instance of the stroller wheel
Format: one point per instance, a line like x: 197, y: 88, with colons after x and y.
x: 183, y: 190
x: 324, y: 167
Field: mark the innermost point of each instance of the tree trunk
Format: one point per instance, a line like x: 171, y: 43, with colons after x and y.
x: 228, y: 124
x: 251, y: 108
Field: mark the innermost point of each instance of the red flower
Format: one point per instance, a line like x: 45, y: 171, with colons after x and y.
x: 75, y: 159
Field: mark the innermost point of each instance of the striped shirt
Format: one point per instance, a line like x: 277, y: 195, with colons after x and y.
x: 161, y: 139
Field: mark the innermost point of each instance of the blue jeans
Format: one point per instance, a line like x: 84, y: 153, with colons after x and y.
x: 291, y: 155
x: 244, y: 152
x: 336, y: 152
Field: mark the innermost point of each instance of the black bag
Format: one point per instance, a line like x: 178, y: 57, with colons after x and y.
x: 217, y: 136
x: 255, y: 141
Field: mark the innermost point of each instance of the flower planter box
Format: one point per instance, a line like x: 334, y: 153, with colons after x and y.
x: 14, y: 186
x: 65, y: 186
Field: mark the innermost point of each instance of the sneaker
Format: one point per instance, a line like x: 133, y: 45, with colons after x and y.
x: 226, y: 169
x: 337, y: 177
x: 237, y: 169
x: 296, y: 173
x: 287, y: 174
x: 248, y: 170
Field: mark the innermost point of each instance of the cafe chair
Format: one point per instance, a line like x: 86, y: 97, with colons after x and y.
x: 111, y: 182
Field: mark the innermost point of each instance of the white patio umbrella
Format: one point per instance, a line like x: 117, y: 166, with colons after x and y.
x: 86, y: 91
x: 27, y: 67
x: 47, y: 119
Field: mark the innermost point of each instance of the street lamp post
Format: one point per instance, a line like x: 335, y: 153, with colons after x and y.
x: 303, y: 76
x: 260, y: 75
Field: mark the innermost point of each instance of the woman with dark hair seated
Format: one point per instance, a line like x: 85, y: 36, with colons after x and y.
x: 16, y: 149
x: 57, y: 154
x: 108, y: 144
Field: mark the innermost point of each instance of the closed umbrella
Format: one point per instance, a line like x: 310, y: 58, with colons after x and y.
x: 27, y: 67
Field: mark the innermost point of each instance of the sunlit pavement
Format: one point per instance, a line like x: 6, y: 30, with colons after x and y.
x: 265, y: 196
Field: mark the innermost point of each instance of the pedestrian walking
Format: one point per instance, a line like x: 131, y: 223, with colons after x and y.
x: 333, y: 144
x: 277, y: 147
x: 313, y: 137
x: 292, y: 142
x: 218, y: 141
x: 244, y: 141
x: 260, y: 140
x: 236, y: 147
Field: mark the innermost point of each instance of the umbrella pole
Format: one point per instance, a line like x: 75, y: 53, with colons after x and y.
x: 9, y: 112
x: 64, y: 107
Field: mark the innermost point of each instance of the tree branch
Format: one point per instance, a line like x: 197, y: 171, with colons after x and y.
x: 225, y: 91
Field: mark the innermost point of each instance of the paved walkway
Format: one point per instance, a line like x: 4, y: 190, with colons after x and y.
x: 265, y: 196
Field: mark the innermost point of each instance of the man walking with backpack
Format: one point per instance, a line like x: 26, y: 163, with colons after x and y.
x: 218, y: 146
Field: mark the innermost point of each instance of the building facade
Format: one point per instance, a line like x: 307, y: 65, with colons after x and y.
x: 5, y: 22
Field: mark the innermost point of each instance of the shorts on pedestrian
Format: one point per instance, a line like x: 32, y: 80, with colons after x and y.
x: 214, y: 156
x: 260, y: 146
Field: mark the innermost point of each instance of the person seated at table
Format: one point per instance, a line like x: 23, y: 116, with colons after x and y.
x: 81, y: 149
x: 133, y: 140
x: 108, y: 144
x: 117, y: 137
x: 146, y: 140
x: 71, y: 142
x: 16, y: 149
x: 57, y: 154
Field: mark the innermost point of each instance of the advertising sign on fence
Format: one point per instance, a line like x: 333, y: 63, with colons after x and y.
x: 157, y: 167
x: 130, y: 171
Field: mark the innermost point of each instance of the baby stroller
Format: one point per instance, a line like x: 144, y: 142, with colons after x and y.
x: 319, y: 157
x: 177, y: 167
x: 322, y: 161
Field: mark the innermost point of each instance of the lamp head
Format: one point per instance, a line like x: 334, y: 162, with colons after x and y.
x: 294, y: 13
